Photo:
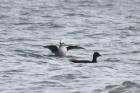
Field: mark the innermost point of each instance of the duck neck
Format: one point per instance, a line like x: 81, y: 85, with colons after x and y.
x: 94, y: 59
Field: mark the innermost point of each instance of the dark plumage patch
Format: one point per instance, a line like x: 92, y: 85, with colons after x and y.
x: 80, y: 61
x: 53, y: 48
x: 74, y: 47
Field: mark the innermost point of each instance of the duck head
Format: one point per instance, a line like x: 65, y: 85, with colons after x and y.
x: 61, y: 43
x: 96, y: 54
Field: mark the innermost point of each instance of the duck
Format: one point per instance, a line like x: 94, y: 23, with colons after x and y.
x: 94, y: 60
x: 61, y: 49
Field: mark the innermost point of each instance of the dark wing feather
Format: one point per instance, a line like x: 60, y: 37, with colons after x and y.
x: 80, y: 61
x: 53, y: 48
x: 74, y: 47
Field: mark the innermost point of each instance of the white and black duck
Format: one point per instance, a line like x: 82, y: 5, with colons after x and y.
x: 61, y: 49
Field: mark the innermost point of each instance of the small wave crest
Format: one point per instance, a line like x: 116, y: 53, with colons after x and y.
x: 124, y: 87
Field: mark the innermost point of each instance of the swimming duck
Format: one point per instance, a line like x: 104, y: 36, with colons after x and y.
x: 94, y: 60
x: 61, y: 50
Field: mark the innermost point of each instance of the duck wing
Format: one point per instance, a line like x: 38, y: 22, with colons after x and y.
x: 52, y: 48
x: 80, y: 61
x: 74, y: 47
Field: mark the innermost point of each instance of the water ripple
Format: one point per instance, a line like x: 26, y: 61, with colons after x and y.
x: 110, y: 27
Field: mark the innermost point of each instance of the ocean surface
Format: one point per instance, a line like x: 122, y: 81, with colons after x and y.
x: 110, y: 27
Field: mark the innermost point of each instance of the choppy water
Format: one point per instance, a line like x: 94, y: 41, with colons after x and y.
x: 111, y: 27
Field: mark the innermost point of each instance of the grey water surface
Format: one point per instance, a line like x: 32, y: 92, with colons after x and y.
x: 111, y: 27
